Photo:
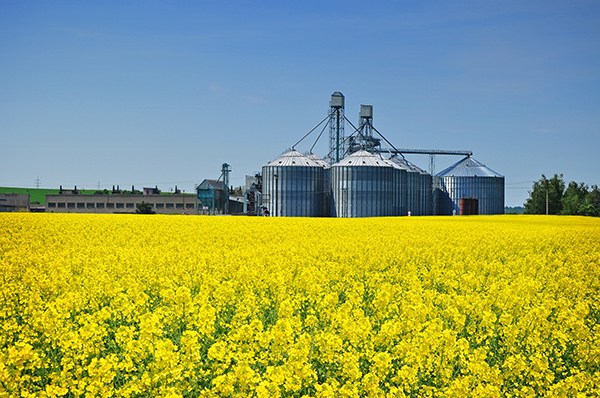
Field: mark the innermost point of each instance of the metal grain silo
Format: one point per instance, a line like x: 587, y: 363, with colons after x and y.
x: 470, y: 179
x: 293, y: 186
x: 413, y: 185
x: 402, y: 187
x: 399, y: 189
x: 362, y: 185
x: 326, y: 198
x: 427, y: 207
x: 423, y: 191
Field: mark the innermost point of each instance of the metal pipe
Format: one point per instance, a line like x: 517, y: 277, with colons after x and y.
x: 337, y: 136
x: 275, y: 192
x: 433, y: 152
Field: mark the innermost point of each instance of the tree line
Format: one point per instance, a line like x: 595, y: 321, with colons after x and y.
x: 554, y: 196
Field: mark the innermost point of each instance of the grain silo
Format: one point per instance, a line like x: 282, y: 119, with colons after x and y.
x: 403, y: 186
x: 423, y: 191
x: 413, y: 185
x: 427, y: 204
x: 470, y: 179
x: 399, y: 189
x: 362, y: 185
x: 293, y: 186
x: 326, y: 198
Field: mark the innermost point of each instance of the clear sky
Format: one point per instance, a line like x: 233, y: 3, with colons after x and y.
x: 162, y: 93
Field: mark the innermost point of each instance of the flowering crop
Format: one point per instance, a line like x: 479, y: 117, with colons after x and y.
x: 132, y: 306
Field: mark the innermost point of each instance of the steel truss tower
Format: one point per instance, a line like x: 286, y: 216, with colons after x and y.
x: 364, y: 140
x: 225, y: 170
x: 336, y: 128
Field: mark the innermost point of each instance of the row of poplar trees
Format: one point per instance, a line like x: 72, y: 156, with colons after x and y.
x: 572, y: 199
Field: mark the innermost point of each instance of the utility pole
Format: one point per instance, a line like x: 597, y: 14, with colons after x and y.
x: 37, y: 183
x: 547, y: 196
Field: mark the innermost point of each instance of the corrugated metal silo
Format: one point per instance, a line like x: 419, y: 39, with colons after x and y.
x: 403, y: 186
x: 424, y: 191
x: 413, y: 185
x: 326, y: 198
x: 399, y: 189
x: 470, y: 179
x: 362, y: 186
x: 293, y: 186
x: 427, y: 209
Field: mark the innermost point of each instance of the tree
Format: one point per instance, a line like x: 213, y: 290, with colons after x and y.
x: 536, y: 203
x: 591, y: 204
x: 143, y: 208
x: 513, y: 210
x: 574, y: 198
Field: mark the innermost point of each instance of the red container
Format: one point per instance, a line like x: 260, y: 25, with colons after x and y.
x: 469, y: 207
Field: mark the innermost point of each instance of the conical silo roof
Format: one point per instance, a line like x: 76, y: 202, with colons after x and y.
x: 416, y: 168
x: 293, y: 158
x: 404, y: 164
x: 468, y: 167
x: 318, y: 160
x: 363, y: 158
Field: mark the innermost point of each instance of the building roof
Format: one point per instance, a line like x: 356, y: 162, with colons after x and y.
x: 211, y: 184
x: 363, y: 158
x: 293, y: 158
x: 468, y: 167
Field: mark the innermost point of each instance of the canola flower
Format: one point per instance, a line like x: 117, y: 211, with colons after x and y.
x: 167, y: 306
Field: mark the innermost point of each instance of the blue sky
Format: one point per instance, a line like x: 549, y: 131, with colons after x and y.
x: 162, y: 93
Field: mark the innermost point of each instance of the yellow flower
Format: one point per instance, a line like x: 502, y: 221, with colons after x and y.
x: 119, y: 305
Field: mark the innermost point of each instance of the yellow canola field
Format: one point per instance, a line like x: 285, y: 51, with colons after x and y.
x: 200, y: 306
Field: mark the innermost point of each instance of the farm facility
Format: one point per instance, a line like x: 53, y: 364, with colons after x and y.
x: 365, y: 175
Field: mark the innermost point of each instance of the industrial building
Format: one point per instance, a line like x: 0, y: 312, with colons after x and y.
x: 210, y: 199
x: 72, y: 202
x: 213, y: 199
x: 13, y: 202
x: 364, y: 175
x: 252, y: 199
